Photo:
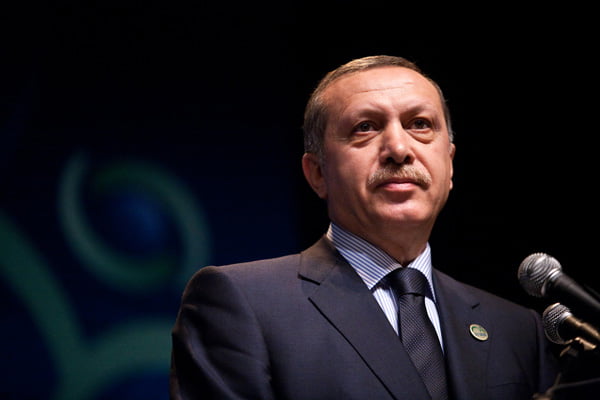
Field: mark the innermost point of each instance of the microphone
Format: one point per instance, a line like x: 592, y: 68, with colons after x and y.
x: 561, y: 326
x: 541, y: 276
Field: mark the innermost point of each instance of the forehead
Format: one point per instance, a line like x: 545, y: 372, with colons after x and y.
x: 386, y: 81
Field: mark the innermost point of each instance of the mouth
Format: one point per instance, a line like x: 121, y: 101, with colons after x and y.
x: 398, y: 184
x: 403, y: 179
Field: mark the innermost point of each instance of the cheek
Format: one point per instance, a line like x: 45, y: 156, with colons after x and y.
x: 445, y: 178
x: 346, y: 176
x: 355, y: 165
x: 449, y: 172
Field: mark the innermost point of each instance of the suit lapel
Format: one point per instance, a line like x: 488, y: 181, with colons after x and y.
x: 466, y: 356
x: 343, y: 298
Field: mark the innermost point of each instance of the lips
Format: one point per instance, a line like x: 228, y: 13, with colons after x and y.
x: 397, y: 182
x: 399, y: 185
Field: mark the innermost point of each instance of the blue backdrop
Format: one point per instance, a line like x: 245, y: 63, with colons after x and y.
x: 141, y: 141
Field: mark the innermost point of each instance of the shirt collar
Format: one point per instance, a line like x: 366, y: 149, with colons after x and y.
x: 370, y: 262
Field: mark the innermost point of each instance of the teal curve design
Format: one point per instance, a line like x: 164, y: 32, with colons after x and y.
x: 118, y: 269
x: 85, y: 366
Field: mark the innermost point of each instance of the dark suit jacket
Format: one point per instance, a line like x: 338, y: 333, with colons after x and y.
x: 305, y: 327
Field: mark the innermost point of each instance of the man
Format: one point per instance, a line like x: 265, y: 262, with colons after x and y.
x: 325, y: 323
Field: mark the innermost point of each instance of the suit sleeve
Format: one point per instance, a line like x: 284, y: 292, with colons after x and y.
x: 218, y: 350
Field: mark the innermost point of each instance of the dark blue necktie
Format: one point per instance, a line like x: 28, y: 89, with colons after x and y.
x: 416, y: 331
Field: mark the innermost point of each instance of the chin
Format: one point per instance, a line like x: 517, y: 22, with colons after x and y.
x: 405, y: 212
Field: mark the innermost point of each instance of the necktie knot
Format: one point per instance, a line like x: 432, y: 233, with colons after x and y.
x: 409, y: 281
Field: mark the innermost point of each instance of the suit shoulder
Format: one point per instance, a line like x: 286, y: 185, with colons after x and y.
x: 269, y: 268
x: 479, y: 295
x: 256, y: 269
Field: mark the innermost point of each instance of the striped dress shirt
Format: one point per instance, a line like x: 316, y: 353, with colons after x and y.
x: 373, y: 264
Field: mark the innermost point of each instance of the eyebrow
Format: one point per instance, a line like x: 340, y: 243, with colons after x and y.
x: 376, y: 108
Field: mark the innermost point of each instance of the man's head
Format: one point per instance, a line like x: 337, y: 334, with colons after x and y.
x: 315, y: 115
x: 379, y: 149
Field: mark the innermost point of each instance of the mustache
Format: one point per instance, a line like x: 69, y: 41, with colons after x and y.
x: 400, y: 171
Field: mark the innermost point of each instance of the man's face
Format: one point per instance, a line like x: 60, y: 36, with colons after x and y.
x: 387, y: 155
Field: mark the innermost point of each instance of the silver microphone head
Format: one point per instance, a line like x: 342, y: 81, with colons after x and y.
x: 552, y: 318
x: 535, y: 271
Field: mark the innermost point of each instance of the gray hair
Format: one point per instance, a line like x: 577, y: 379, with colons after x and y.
x: 316, y: 112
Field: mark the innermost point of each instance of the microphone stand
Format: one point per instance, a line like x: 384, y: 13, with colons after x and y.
x: 569, y: 383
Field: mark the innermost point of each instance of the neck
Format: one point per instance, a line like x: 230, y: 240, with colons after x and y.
x: 403, y: 245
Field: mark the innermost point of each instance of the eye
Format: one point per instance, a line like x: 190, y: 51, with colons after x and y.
x: 364, y: 126
x: 420, y: 124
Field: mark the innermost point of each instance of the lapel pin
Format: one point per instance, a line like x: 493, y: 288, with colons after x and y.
x: 478, y: 332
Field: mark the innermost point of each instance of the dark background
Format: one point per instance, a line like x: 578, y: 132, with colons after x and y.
x: 211, y: 95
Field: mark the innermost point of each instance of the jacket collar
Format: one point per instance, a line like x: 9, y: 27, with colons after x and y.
x: 466, y: 356
x: 344, y: 299
x: 338, y: 292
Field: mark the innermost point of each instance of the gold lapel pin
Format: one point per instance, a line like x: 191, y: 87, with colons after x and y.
x: 478, y: 332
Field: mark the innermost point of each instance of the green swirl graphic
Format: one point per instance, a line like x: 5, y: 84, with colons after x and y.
x: 86, y: 365
x: 83, y: 367
x: 120, y: 270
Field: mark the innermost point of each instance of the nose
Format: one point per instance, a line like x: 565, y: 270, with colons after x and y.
x: 395, y: 145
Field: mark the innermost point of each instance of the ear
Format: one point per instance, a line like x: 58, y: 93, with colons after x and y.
x: 452, y: 152
x: 311, y: 166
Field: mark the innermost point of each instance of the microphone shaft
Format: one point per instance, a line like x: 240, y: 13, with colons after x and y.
x: 573, y: 327
x: 568, y: 292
